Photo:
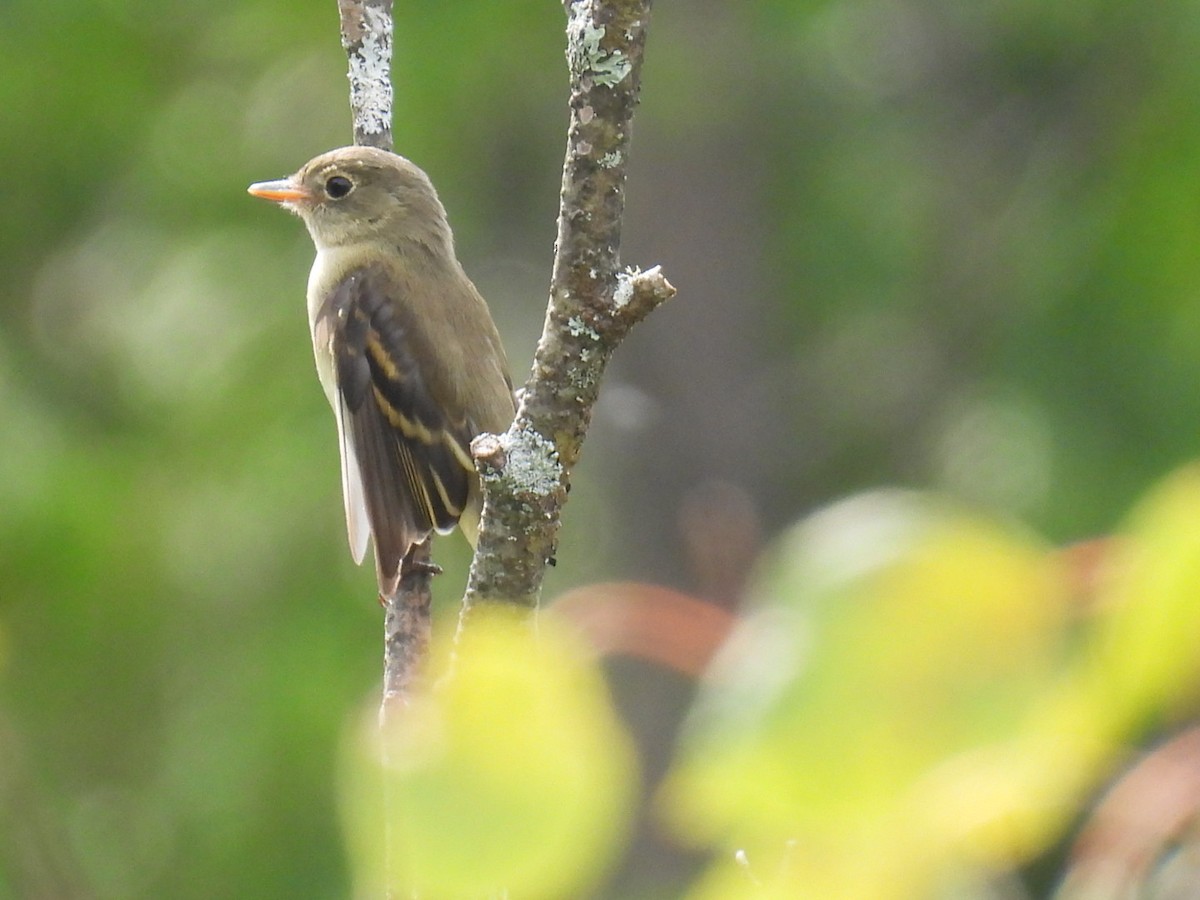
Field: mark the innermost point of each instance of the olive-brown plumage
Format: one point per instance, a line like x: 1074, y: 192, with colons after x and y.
x: 406, y: 349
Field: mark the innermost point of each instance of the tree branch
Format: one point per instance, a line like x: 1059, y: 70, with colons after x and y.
x: 367, y: 40
x: 366, y: 27
x: 593, y: 304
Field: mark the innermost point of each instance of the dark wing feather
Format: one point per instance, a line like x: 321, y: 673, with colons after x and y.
x: 414, y: 460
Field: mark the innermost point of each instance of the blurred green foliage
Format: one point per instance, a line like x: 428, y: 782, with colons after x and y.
x: 917, y: 241
x: 918, y: 701
x: 511, y: 775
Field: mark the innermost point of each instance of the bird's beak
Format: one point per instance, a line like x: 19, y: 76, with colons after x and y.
x: 282, y: 191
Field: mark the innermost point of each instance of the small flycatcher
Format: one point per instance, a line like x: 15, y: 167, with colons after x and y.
x: 406, y: 349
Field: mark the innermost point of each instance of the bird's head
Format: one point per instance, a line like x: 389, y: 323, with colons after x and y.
x: 362, y: 194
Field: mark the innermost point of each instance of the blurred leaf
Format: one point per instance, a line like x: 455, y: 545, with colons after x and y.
x: 915, y: 699
x: 881, y: 716
x: 645, y: 621
x: 511, y: 773
x: 1141, y: 836
x: 1147, y: 651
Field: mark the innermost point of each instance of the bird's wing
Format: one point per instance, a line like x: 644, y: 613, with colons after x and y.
x: 403, y: 458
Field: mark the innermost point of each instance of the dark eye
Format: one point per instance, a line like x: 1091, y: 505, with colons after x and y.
x: 338, y: 187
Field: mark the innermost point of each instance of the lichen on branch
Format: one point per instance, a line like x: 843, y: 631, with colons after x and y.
x: 366, y: 27
x: 593, y: 304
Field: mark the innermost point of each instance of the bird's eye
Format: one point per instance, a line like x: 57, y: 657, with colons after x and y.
x: 338, y: 186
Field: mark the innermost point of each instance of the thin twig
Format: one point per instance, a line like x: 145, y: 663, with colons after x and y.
x: 593, y: 304
x: 407, y: 625
x: 367, y: 38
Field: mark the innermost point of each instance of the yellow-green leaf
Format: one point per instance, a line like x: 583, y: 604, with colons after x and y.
x: 511, y: 774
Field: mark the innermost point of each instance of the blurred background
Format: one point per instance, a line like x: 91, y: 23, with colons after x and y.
x: 916, y: 242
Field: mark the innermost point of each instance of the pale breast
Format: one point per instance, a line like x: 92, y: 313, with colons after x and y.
x: 330, y: 265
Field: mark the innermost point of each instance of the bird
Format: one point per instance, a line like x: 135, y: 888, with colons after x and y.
x: 406, y: 349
